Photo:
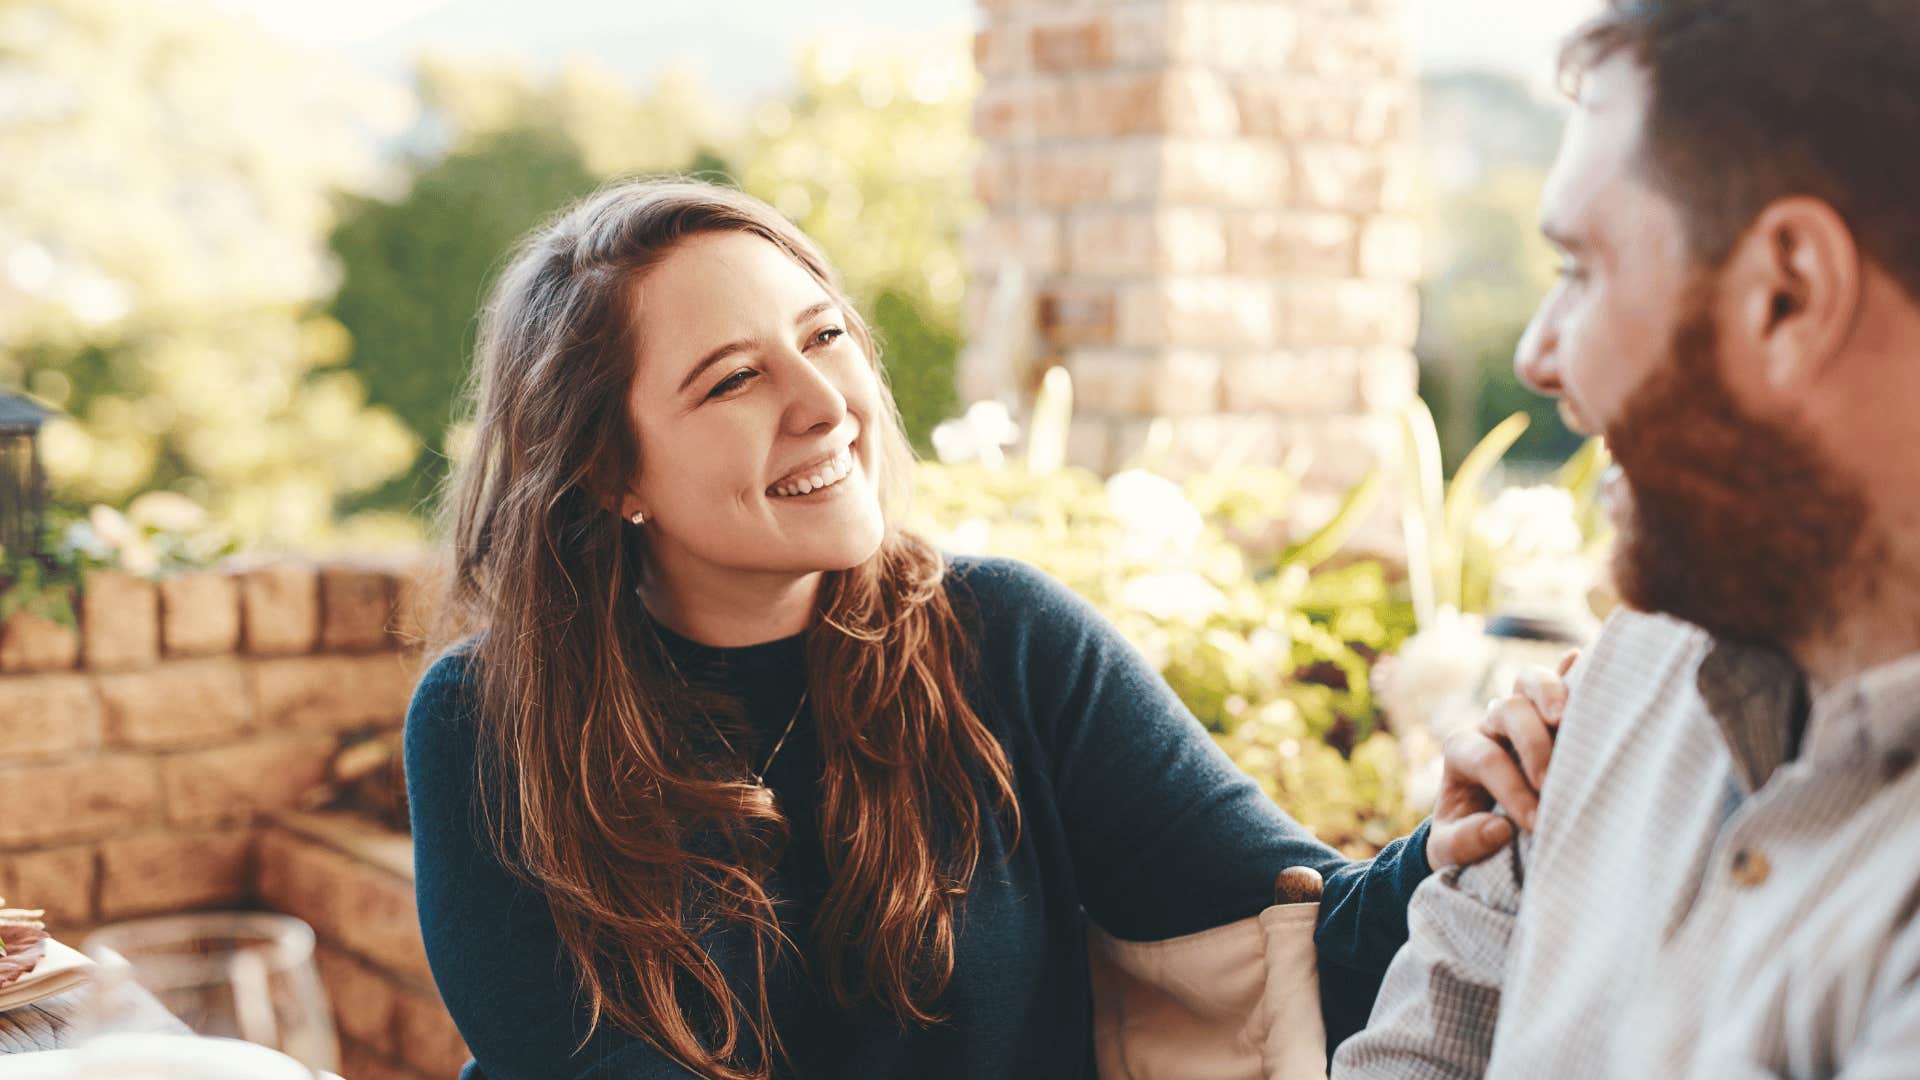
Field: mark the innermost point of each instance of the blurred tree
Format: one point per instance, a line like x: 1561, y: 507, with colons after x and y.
x: 873, y: 158
x: 415, y: 272
x: 161, y: 255
x: 870, y: 156
x: 918, y: 344
x: 615, y: 128
x: 1489, y: 143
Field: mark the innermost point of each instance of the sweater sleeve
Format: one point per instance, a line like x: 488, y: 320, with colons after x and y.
x: 1167, y: 836
x: 491, y: 943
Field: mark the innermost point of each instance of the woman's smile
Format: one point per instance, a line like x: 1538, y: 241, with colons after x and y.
x: 816, y: 477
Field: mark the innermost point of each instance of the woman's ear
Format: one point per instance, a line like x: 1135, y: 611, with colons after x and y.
x: 628, y: 505
x: 1795, y: 280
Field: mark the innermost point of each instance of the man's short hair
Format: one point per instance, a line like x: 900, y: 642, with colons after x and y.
x: 1758, y: 100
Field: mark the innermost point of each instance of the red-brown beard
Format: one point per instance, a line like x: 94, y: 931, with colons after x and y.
x: 1737, y: 525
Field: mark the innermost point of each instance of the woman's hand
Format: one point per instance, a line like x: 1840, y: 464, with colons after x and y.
x: 1502, y: 760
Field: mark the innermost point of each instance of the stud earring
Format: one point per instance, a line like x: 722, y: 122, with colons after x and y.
x: 638, y: 518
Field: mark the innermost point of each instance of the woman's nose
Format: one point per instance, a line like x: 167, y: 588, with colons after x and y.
x: 816, y: 403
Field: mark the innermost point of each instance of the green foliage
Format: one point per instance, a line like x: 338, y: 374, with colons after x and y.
x: 919, y: 348
x: 1489, y: 266
x: 1331, y: 537
x: 165, y: 257
x: 161, y: 533
x: 38, y: 586
x: 870, y: 158
x: 415, y: 272
x: 1465, y: 583
x: 1449, y: 567
x: 1272, y: 657
x: 172, y: 252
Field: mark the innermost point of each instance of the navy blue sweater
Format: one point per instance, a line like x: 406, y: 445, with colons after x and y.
x: 1130, y: 816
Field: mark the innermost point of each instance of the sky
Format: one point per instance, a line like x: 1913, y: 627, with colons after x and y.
x: 744, y: 48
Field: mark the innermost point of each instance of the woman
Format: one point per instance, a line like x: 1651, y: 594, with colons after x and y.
x: 727, y: 775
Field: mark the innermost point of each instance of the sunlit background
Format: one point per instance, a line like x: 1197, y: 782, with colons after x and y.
x: 246, y: 254
x: 242, y: 243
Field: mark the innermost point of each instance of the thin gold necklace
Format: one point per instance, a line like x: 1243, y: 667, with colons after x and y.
x: 759, y: 776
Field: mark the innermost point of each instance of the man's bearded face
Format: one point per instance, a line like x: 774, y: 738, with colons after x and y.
x: 1735, y: 524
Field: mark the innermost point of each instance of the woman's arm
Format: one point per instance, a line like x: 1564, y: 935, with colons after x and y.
x: 1168, y: 837
x: 491, y: 942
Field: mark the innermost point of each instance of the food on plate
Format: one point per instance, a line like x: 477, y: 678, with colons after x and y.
x: 23, y: 940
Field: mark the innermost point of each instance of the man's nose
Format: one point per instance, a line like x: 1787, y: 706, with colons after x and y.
x: 1536, y: 360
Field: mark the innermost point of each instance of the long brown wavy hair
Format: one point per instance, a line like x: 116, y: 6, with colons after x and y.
x: 587, y: 785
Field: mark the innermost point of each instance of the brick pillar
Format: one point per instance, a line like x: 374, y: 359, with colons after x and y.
x: 1211, y: 203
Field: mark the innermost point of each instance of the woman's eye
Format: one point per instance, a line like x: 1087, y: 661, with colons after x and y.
x: 828, y: 336
x: 731, y: 383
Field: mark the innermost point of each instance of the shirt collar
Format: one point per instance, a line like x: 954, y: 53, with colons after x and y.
x: 1757, y: 696
x: 1875, y: 713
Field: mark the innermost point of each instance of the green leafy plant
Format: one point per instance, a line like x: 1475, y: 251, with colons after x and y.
x: 1447, y: 568
x: 38, y: 586
x: 160, y: 533
x: 1272, y: 655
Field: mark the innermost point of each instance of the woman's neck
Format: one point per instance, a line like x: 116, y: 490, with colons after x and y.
x: 730, y: 609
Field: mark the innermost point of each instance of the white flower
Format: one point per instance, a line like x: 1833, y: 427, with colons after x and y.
x: 1537, y: 550
x: 977, y: 436
x: 1174, y: 597
x: 1530, y: 522
x: 1271, y: 648
x: 115, y: 539
x: 111, y: 527
x: 970, y: 537
x: 1432, y: 679
x: 1160, y: 523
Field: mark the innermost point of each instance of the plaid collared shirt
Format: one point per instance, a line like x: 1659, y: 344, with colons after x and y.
x: 1699, y: 901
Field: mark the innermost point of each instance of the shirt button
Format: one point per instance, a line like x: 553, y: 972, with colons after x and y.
x: 1750, y: 868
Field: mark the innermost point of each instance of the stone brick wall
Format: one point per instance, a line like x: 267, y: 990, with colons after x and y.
x: 1211, y: 202
x: 352, y: 881
x: 147, y: 755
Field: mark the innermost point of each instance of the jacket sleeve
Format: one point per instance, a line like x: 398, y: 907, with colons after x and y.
x: 491, y: 943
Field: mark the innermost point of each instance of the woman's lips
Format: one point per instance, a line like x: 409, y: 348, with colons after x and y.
x: 823, y: 476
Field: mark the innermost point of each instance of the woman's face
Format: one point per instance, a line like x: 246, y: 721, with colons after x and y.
x: 753, y: 407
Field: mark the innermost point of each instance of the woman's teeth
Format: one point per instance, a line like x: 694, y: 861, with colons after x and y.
x: 825, y: 476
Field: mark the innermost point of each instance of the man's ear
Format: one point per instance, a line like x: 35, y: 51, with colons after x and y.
x: 1794, y: 283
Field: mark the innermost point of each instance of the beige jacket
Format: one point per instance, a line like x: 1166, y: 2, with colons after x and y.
x: 1237, y: 1002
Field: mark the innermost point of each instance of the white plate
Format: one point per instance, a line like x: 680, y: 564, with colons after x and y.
x: 38, y: 1065
x: 59, y: 971
x: 155, y: 1057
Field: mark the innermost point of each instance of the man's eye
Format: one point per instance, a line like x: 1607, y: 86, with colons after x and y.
x: 829, y: 335
x: 731, y: 383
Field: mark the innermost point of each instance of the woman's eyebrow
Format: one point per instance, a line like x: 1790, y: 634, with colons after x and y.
x: 713, y: 358
x: 744, y: 344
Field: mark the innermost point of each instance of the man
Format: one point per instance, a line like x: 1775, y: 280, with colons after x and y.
x: 1726, y: 867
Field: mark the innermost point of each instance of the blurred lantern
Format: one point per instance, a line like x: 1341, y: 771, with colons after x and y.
x: 23, y: 486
